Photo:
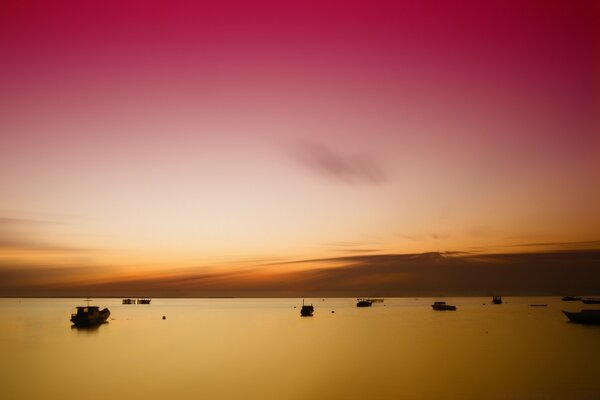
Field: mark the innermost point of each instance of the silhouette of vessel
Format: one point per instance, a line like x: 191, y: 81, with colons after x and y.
x: 571, y: 298
x: 89, y: 316
x: 497, y: 300
x: 128, y: 301
x: 442, y: 306
x: 307, y: 310
x: 143, y: 300
x: 364, y: 303
x: 591, y: 300
x: 584, y: 316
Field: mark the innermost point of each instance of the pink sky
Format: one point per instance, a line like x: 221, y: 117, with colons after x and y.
x: 191, y: 133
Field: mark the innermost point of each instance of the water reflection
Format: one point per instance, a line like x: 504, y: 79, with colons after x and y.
x: 87, y: 329
x: 262, y: 349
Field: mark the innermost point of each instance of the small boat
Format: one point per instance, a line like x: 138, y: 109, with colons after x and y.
x: 538, y: 305
x: 143, y: 300
x: 571, y: 298
x: 584, y: 316
x: 364, y: 303
x: 128, y: 301
x: 497, y: 300
x: 591, y: 300
x: 89, y: 316
x: 442, y: 306
x: 306, y: 310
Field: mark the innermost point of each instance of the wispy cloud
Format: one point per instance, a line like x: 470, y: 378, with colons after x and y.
x: 351, y: 247
x: 346, y: 168
x: 31, y: 236
x: 540, y: 246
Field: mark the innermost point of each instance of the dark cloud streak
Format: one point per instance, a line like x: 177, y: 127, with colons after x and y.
x: 426, y: 274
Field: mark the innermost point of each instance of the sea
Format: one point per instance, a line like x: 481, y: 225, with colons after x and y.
x: 263, y: 349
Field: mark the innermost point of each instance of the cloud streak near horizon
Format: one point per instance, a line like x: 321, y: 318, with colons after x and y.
x: 390, y: 275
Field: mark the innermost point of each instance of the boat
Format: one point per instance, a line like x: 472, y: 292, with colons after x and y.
x: 306, y: 310
x: 143, y: 300
x: 442, y: 306
x: 591, y: 300
x: 571, y: 298
x: 496, y: 299
x: 128, y: 301
x: 364, y: 303
x: 538, y: 305
x: 89, y: 316
x: 584, y: 316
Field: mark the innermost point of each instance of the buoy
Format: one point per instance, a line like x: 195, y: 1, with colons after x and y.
x: 333, y: 312
x: 164, y: 317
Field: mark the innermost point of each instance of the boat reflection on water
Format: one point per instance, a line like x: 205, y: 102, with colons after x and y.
x: 86, y: 330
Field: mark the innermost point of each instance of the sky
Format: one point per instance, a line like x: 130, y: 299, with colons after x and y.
x: 259, y: 140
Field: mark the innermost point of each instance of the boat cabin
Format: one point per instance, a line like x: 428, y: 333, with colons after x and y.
x: 85, y: 310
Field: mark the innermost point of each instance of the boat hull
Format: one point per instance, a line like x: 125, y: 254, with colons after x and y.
x: 590, y: 301
x: 443, y: 308
x: 584, y: 317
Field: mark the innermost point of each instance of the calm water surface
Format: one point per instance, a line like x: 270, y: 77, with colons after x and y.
x: 263, y: 349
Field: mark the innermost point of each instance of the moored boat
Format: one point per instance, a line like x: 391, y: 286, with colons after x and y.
x: 143, y: 300
x: 364, y: 303
x: 571, y: 298
x: 306, y: 310
x: 128, y: 301
x: 584, y: 316
x: 89, y: 316
x: 442, y: 306
x: 591, y: 300
x: 497, y: 300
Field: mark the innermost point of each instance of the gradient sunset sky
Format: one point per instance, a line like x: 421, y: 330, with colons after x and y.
x: 152, y: 138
